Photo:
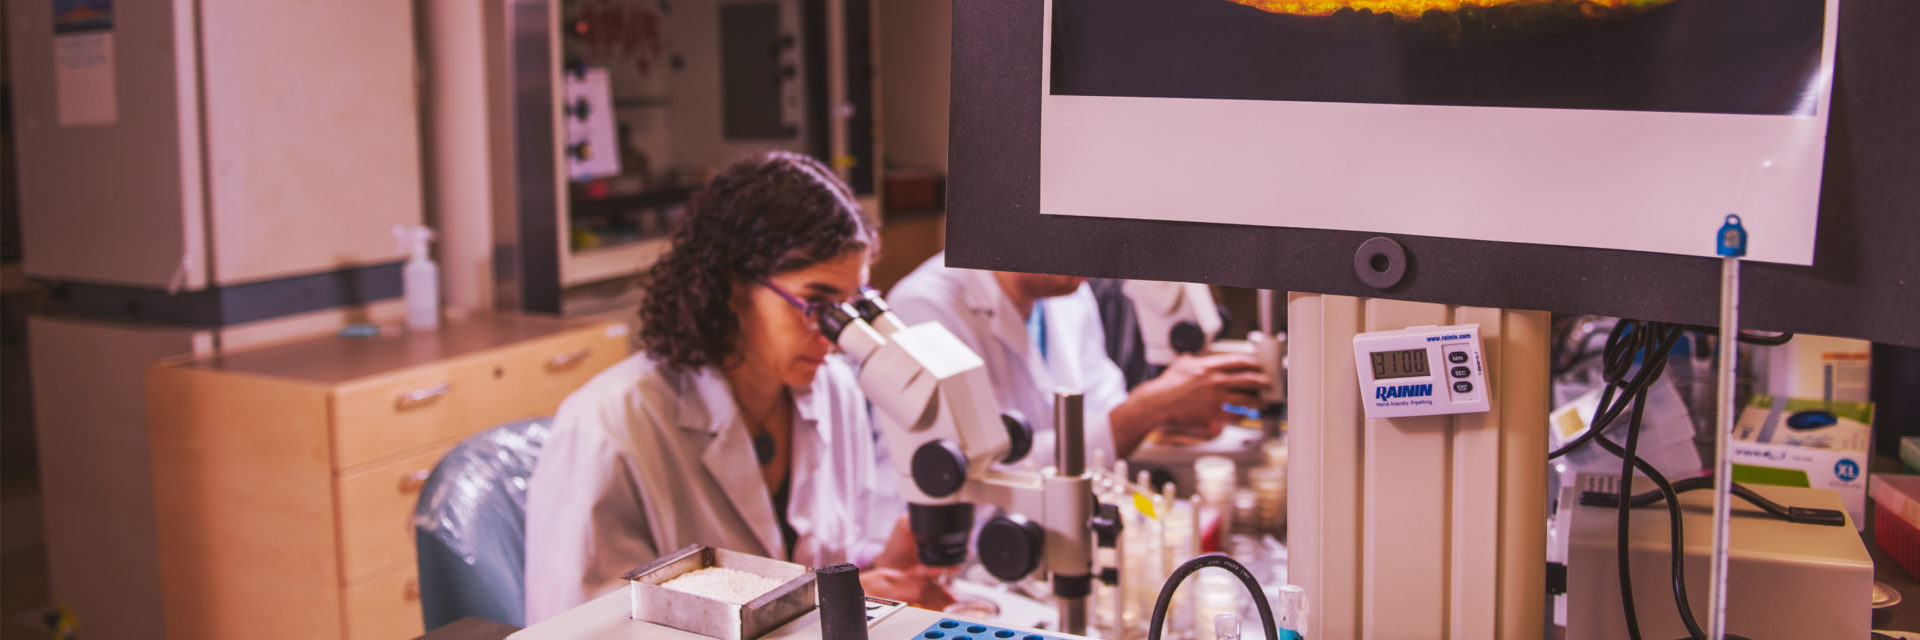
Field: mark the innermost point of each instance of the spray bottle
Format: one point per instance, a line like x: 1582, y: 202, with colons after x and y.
x: 420, y: 282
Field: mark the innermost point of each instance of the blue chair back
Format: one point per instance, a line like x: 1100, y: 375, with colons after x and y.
x: 470, y: 527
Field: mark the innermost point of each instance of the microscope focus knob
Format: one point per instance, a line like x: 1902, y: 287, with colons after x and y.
x: 1011, y: 546
x: 1106, y: 525
x: 1187, y: 338
x: 1019, y: 438
x: 939, y: 468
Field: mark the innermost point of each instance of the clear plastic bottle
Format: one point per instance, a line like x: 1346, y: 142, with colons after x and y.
x: 1182, y: 542
x: 1214, y: 481
x: 1269, y: 485
x: 1217, y: 593
x: 420, y: 278
x: 1109, y: 602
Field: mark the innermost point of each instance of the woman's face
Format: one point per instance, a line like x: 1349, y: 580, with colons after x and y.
x: 779, y: 339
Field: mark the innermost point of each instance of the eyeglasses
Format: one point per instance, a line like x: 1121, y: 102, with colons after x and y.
x: 809, y: 308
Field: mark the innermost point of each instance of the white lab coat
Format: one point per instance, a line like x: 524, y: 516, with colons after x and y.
x: 642, y: 461
x: 971, y: 304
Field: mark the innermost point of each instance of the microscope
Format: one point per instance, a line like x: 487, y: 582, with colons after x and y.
x: 946, y: 434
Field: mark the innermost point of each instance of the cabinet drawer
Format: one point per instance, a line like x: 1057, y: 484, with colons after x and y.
x: 379, y: 417
x: 399, y: 412
x: 376, y: 514
x: 534, y: 378
x: 386, y: 607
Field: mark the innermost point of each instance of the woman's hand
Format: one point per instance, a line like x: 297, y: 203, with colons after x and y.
x: 898, y: 575
x: 1185, y: 400
x: 898, y: 552
x: 918, y: 587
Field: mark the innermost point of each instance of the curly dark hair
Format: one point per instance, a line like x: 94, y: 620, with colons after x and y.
x: 765, y: 214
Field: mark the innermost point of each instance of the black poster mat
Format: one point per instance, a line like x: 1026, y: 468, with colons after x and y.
x: 1862, y: 283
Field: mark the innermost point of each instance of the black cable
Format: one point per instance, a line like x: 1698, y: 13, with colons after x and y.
x: 1635, y: 355
x: 1602, y: 415
x: 1629, y: 341
x: 1676, y: 536
x: 1580, y: 354
x: 1625, y: 512
x: 1767, y: 341
x: 1801, y: 515
x: 1774, y: 340
x: 1670, y: 494
x: 1219, y: 560
x: 1647, y: 345
x: 1676, y: 542
x: 1600, y: 423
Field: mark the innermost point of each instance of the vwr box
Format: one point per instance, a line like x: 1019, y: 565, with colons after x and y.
x: 1796, y: 442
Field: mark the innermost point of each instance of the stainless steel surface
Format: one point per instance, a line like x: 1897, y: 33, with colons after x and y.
x: 713, y: 618
x: 1070, y: 453
x: 1722, y: 467
x: 1073, y: 615
x: 410, y: 399
x: 1069, y: 422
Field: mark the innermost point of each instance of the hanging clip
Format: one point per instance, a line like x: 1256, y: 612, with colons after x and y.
x: 1733, y: 238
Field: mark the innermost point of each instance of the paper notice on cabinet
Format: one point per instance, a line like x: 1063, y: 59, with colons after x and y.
x: 83, y: 80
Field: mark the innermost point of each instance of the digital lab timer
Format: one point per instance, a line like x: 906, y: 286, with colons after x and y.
x: 1421, y: 371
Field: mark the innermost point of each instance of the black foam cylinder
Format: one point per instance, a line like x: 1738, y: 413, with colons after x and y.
x: 843, y: 603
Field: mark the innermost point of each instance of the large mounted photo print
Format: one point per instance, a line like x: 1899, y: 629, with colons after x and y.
x: 1616, y: 124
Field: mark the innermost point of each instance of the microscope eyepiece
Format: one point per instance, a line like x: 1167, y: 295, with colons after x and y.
x: 870, y: 305
x: 835, y: 318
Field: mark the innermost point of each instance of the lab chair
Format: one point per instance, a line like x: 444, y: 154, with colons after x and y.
x: 470, y: 526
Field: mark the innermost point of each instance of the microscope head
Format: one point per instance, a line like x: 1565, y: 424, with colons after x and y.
x: 937, y: 412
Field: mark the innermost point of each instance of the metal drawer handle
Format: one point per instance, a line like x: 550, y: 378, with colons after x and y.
x: 412, y: 592
x: 565, y: 361
x: 411, y: 482
x: 421, y: 396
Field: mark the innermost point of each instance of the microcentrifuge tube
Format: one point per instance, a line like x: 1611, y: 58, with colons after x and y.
x: 1226, y: 626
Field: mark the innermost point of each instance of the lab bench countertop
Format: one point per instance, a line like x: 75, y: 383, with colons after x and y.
x: 333, y: 360
x: 471, y: 629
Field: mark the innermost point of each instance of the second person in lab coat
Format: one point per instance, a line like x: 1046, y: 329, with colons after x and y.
x: 735, y: 426
x: 1039, y: 332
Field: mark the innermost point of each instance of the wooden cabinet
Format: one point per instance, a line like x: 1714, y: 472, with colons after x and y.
x: 285, y: 477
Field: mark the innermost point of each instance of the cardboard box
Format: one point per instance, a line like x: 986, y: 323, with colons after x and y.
x: 1805, y: 443
x: 1821, y: 367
